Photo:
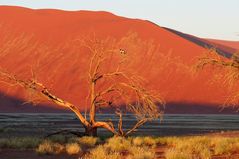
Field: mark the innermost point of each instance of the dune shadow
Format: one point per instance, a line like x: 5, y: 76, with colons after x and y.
x: 196, y: 108
x: 221, y: 49
x: 9, y: 104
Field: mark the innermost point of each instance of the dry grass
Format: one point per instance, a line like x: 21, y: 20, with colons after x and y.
x: 101, y: 152
x: 73, y: 149
x: 146, y: 141
x: 116, y: 147
x: 225, y: 145
x: 189, y: 147
x: 118, y: 144
x: 59, y: 144
x: 48, y: 147
x: 20, y: 142
x: 137, y: 141
x: 176, y: 154
x: 141, y: 153
x: 200, y: 147
x: 131, y: 148
x: 87, y: 141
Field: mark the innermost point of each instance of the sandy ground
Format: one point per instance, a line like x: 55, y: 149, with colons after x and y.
x: 31, y: 154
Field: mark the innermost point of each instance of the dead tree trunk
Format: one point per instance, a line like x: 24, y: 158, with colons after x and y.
x: 91, y: 131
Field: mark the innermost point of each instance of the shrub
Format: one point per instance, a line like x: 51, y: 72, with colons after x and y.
x: 48, y: 147
x: 101, y: 152
x: 149, y: 141
x: 167, y: 140
x: 118, y: 144
x: 73, y: 148
x: 223, y: 146
x: 116, y: 147
x: 138, y: 141
x: 176, y: 154
x: 141, y: 153
x: 190, y: 147
x: 87, y: 141
x: 146, y: 141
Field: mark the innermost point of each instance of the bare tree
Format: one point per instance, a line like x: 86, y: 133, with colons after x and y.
x: 112, y: 84
x: 228, y: 70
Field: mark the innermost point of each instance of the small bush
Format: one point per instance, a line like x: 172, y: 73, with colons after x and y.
x: 167, y: 140
x: 117, y: 147
x: 138, y: 141
x: 118, y: 144
x: 149, y: 141
x: 190, y: 147
x: 101, y: 152
x: 176, y: 154
x: 73, y: 148
x: 223, y: 146
x: 48, y: 147
x: 88, y: 141
x: 141, y: 153
x: 146, y: 141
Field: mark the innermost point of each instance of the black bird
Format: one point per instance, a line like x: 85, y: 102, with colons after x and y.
x: 122, y: 51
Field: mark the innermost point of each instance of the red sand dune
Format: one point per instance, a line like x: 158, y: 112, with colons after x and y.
x: 223, y: 47
x: 232, y: 44
x: 51, y: 28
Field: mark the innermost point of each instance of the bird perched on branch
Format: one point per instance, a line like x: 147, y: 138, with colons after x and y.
x: 122, y: 51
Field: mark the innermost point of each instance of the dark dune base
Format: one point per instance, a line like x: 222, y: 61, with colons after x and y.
x: 10, y: 104
x: 42, y: 124
x: 194, y: 108
x: 14, y: 105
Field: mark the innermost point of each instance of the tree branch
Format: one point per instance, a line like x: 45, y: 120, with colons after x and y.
x: 138, y: 124
x: 107, y: 125
x: 120, y: 123
x: 41, y: 89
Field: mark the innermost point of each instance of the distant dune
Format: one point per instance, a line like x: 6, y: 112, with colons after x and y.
x: 45, y: 30
x: 232, y: 44
x: 225, y: 48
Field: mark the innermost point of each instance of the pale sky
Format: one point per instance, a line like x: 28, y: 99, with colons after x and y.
x: 217, y: 19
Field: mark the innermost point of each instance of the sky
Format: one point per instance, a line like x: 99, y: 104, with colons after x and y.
x: 217, y: 19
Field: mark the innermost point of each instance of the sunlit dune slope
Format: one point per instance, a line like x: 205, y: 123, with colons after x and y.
x: 48, y: 44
